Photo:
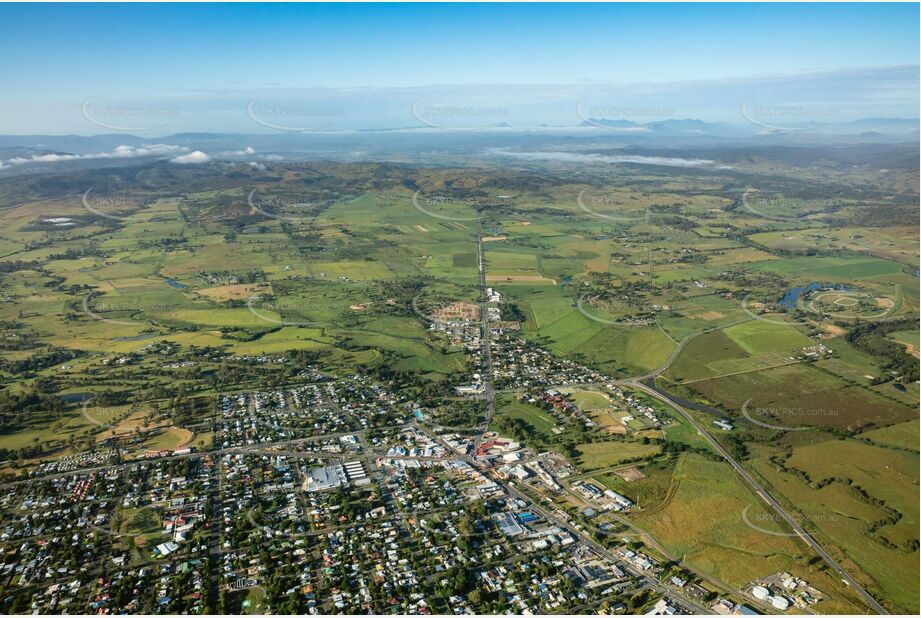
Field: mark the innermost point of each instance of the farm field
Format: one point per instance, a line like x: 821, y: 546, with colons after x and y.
x: 838, y: 269
x: 902, y: 435
x: 896, y: 243
x: 758, y: 337
x: 805, y: 396
x: 601, y: 455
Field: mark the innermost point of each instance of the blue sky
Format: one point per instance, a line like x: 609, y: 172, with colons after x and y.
x: 56, y: 56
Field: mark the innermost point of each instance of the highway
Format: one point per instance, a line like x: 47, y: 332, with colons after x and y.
x: 761, y: 492
x: 647, y: 384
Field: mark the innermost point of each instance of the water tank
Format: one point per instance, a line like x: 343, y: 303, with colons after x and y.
x: 780, y: 603
x: 760, y: 592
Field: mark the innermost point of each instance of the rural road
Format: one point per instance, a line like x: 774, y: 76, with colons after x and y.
x: 683, y: 344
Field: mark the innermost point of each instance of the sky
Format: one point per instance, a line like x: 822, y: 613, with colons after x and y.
x: 194, y: 61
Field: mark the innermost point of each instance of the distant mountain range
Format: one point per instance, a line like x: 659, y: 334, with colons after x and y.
x: 906, y: 127
x: 38, y: 153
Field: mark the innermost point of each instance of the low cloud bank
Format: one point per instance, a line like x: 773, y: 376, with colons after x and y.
x: 119, y: 152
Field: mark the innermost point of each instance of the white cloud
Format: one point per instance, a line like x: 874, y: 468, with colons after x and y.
x: 196, y: 156
x: 249, y: 150
x: 120, y: 152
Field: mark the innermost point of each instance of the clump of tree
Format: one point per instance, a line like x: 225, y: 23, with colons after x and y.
x: 16, y: 408
x: 870, y: 337
x: 40, y: 361
x: 511, y: 312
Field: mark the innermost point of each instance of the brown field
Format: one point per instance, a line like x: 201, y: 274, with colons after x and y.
x: 523, y: 278
x: 835, y: 331
x: 237, y: 291
x: 737, y: 256
x: 709, y: 315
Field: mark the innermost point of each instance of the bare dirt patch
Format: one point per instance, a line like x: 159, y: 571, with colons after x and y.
x: 835, y: 331
x: 129, y: 426
x: 458, y: 311
x: 884, y: 303
x: 630, y: 474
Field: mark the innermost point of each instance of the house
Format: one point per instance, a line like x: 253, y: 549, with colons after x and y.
x: 165, y: 549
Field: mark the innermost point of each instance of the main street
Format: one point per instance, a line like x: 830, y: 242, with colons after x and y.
x: 486, y: 376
